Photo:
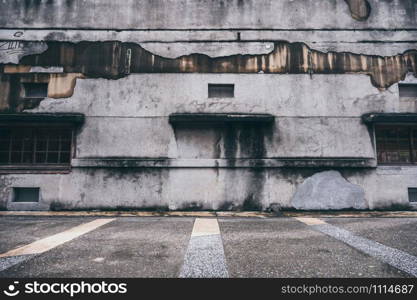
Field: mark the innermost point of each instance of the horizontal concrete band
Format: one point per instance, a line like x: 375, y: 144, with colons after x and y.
x: 223, y: 163
x: 220, y: 214
x: 174, y: 43
x: 173, y: 35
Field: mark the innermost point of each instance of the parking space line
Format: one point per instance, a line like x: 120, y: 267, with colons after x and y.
x: 310, y: 221
x: 205, y: 254
x: 394, y: 257
x: 55, y: 240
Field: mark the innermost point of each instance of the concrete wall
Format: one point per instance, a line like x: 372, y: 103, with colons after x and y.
x: 128, y: 155
x: 186, y: 14
x: 129, y: 117
x: 198, y: 188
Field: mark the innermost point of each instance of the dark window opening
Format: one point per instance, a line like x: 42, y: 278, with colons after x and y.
x: 35, y: 146
x: 25, y: 194
x: 408, y: 90
x: 396, y: 144
x: 35, y: 90
x: 221, y: 90
x: 412, y: 194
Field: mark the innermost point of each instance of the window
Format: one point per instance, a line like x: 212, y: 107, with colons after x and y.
x: 35, y: 90
x: 221, y: 90
x: 25, y: 194
x: 35, y: 146
x: 408, y: 90
x: 396, y: 144
x: 412, y: 194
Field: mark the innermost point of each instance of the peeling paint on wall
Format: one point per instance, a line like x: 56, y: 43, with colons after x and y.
x: 359, y: 9
x: 13, y: 51
x: 113, y: 60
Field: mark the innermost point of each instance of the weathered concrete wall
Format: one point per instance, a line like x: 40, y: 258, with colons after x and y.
x: 320, y: 120
x: 315, y: 65
x: 225, y: 14
x: 199, y: 188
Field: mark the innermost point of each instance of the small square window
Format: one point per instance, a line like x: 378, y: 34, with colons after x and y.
x: 25, y: 194
x: 221, y: 90
x: 412, y: 194
x: 35, y: 90
x: 408, y: 90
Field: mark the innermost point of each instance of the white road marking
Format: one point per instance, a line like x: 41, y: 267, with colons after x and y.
x: 205, y: 227
x: 394, y: 257
x: 98, y: 259
x: 310, y: 221
x: 55, y: 240
x: 205, y: 254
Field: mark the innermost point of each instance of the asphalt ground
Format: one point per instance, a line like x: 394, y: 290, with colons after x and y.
x: 207, y: 246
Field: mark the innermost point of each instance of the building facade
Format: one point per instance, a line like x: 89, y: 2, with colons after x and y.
x: 211, y: 104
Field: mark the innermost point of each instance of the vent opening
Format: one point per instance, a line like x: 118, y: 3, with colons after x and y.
x: 412, y: 195
x: 221, y: 90
x: 408, y: 90
x: 25, y: 194
x: 35, y: 90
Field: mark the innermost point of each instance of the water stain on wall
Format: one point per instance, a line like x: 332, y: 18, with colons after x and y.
x: 359, y: 9
x: 115, y: 60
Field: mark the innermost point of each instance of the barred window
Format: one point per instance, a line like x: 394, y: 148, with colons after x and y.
x: 23, y: 145
x: 396, y: 144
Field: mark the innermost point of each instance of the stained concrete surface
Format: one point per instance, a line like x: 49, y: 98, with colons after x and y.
x: 253, y: 247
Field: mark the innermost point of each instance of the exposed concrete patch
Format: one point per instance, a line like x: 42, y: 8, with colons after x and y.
x: 359, y: 9
x: 216, y: 49
x: 328, y: 190
x: 243, y: 214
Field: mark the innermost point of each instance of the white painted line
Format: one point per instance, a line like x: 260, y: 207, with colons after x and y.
x: 205, y: 254
x: 205, y: 227
x: 53, y: 241
x: 310, y: 221
x: 394, y: 257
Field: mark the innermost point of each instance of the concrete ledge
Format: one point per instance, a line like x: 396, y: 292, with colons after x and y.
x: 221, y: 214
x: 43, y: 117
x: 248, y: 214
x: 220, y: 117
x: 297, y: 162
x: 389, y: 118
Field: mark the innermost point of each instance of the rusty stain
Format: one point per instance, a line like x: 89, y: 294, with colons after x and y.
x: 108, y: 60
x: 62, y: 85
x: 359, y: 9
x: 113, y: 60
